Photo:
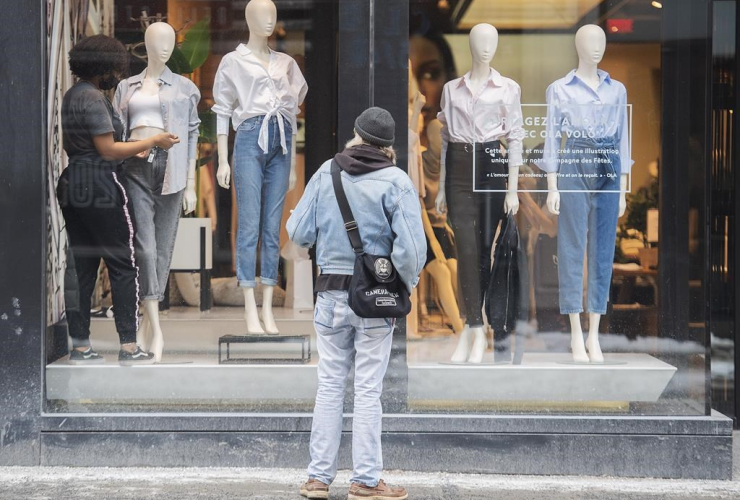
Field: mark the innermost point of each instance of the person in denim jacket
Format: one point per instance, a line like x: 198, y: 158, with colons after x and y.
x: 388, y: 215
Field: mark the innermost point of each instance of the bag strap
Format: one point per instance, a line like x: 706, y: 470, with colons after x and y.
x: 350, y: 224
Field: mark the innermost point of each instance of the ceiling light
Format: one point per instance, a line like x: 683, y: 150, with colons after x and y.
x: 656, y: 4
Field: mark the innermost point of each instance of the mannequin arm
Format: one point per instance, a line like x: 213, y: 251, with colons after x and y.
x: 293, y: 175
x: 440, y: 203
x: 511, y: 203
x: 223, y: 175
x: 553, y: 197
x: 429, y: 232
x: 109, y: 149
x: 190, y: 198
x: 622, y: 194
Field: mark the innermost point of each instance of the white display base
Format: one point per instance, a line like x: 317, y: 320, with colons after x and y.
x: 190, y: 372
x: 544, y: 377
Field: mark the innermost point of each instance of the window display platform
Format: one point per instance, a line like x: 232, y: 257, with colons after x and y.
x: 190, y: 372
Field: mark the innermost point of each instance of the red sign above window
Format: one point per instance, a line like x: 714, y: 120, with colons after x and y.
x: 619, y: 25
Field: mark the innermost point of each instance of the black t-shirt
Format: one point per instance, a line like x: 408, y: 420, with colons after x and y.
x: 87, y: 112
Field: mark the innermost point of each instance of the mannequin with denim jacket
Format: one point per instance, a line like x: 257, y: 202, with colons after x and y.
x: 483, y: 44
x: 590, y: 42
x: 286, y: 91
x: 156, y: 85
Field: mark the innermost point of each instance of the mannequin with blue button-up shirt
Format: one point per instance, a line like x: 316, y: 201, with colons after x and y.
x: 160, y: 42
x: 590, y: 42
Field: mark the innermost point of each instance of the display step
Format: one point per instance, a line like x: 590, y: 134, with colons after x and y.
x: 196, y: 379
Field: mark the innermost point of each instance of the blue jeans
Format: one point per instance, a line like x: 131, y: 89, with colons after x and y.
x: 261, y: 182
x: 588, y: 222
x: 341, y: 336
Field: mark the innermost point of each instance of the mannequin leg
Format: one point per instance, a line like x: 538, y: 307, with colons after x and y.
x: 480, y: 343
x: 592, y: 342
x: 576, y: 339
x: 412, y: 320
x: 463, y: 346
x: 151, y: 312
x: 144, y: 334
x: 422, y: 291
x: 452, y: 266
x: 267, y: 317
x: 442, y: 277
x: 250, y: 312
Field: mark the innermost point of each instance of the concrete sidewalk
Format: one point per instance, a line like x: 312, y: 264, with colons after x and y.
x: 186, y: 484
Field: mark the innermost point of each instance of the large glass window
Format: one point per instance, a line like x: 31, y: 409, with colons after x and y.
x: 536, y: 143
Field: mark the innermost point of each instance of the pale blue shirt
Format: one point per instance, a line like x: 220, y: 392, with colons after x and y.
x: 575, y: 109
x: 179, y: 99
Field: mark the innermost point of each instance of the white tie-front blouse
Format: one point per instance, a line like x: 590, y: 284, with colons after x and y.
x: 244, y: 88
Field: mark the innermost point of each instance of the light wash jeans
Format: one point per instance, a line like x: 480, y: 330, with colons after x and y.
x: 342, y: 336
x: 157, y: 216
x: 588, y: 222
x: 261, y: 182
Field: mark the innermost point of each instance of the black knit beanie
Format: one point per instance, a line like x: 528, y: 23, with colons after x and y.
x: 376, y: 126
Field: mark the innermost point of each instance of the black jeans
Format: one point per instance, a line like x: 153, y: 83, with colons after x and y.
x: 100, y: 225
x: 474, y: 216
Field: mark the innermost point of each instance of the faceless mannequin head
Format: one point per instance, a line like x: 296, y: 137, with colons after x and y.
x: 483, y: 43
x: 160, y: 42
x: 261, y: 17
x: 590, y: 44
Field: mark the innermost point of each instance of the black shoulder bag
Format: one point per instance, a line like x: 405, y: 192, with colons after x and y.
x: 375, y: 289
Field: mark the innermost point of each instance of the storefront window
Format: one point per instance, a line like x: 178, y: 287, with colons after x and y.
x: 535, y: 143
x: 551, y: 305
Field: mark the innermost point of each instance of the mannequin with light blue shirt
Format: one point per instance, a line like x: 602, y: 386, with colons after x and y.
x: 590, y: 42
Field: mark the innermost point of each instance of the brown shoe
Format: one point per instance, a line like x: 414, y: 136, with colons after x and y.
x: 314, y: 488
x: 382, y: 491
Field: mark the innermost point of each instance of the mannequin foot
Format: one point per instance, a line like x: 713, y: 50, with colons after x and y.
x: 157, y: 346
x: 594, y: 349
x: 253, y: 323
x: 269, y: 321
x: 479, y: 346
x: 463, y: 347
x: 579, y: 351
x: 143, y: 335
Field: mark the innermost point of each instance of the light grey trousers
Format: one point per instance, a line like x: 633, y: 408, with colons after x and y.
x: 342, y: 336
x: 157, y: 217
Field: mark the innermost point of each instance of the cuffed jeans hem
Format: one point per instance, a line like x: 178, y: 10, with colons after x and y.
x: 80, y: 342
x: 248, y: 284
x: 158, y: 298
x: 268, y: 281
x: 600, y: 312
x: 571, y: 311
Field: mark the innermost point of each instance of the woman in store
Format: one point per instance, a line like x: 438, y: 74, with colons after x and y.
x: 96, y: 209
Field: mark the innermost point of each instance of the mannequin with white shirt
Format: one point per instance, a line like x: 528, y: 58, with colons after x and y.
x: 477, y: 110
x: 258, y: 87
x: 584, y: 92
x: 149, y: 104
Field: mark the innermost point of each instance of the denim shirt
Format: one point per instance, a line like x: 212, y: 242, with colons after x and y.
x: 388, y: 214
x: 179, y: 98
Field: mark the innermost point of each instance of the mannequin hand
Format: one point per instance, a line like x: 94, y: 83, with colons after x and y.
x: 437, y: 251
x: 440, y: 202
x: 622, y: 203
x: 292, y: 179
x: 511, y: 203
x: 165, y: 140
x: 419, y: 101
x: 223, y: 176
x: 189, y: 199
x: 553, y: 202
